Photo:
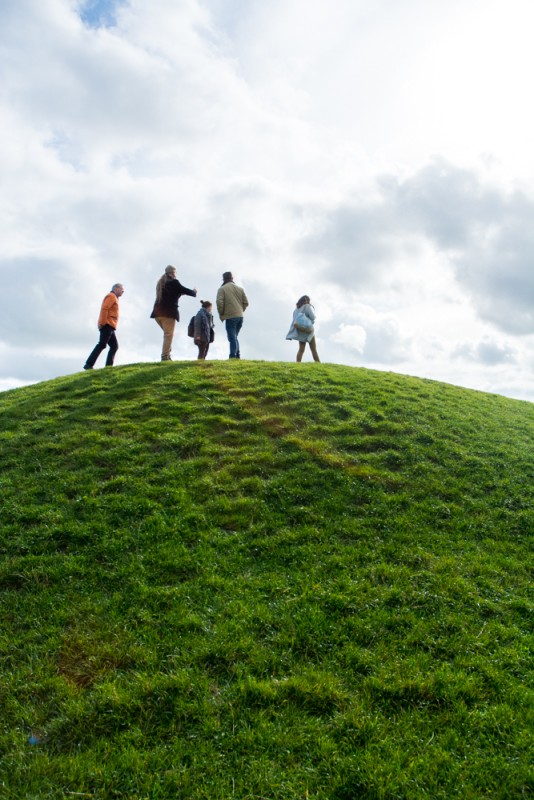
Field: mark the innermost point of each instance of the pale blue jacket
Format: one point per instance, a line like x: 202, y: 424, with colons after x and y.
x: 301, y: 336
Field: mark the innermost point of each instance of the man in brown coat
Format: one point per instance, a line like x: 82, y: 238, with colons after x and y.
x: 165, y: 311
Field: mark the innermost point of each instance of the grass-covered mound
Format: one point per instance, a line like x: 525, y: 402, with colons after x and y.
x: 257, y: 580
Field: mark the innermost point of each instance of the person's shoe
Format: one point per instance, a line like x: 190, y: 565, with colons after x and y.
x: 86, y: 366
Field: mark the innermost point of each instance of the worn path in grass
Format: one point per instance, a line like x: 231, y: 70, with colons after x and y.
x: 264, y: 580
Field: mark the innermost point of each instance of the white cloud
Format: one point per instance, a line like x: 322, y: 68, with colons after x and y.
x: 488, y: 351
x: 353, y: 337
x: 377, y: 337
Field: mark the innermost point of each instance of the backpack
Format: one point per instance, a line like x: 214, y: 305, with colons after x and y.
x: 191, y: 328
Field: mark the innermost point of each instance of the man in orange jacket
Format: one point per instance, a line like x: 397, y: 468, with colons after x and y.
x: 107, y: 325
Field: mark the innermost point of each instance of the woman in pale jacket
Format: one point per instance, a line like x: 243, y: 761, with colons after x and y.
x: 304, y: 333
x: 204, y: 333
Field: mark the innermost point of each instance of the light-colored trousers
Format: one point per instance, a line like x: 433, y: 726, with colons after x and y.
x: 167, y: 326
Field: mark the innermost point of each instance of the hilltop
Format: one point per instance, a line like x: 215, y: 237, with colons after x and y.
x: 264, y: 580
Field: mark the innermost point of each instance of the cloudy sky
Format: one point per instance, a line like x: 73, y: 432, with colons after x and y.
x: 374, y: 154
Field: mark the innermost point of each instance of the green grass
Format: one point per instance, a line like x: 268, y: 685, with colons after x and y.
x: 260, y: 580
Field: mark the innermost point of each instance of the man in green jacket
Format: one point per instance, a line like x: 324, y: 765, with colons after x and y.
x: 231, y: 304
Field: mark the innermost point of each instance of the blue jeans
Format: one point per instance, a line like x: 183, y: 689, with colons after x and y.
x: 233, y: 326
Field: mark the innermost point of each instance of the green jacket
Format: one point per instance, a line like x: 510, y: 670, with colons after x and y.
x: 231, y: 301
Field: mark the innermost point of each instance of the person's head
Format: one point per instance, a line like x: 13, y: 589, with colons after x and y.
x: 227, y: 277
x: 207, y: 304
x: 170, y: 271
x: 117, y: 289
x: 302, y: 301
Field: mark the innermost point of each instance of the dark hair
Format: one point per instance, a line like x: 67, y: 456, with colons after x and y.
x: 206, y: 303
x: 303, y: 300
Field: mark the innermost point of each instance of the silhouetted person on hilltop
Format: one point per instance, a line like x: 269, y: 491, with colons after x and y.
x: 107, y: 325
x: 302, y: 329
x: 203, y: 328
x: 231, y: 304
x: 165, y: 311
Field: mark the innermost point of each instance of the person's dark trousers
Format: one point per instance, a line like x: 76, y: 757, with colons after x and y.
x: 107, y: 339
x: 233, y: 326
x: 203, y: 348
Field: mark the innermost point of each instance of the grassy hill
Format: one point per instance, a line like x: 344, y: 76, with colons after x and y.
x: 261, y: 580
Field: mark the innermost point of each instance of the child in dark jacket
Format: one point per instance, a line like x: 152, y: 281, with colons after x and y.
x: 204, y: 333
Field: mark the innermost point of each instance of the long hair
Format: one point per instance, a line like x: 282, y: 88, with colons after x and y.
x: 159, y: 287
x: 168, y: 275
x: 302, y: 301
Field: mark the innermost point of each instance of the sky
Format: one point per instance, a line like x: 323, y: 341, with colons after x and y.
x: 374, y: 154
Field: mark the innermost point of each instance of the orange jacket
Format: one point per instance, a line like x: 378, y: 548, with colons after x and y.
x: 109, y: 313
